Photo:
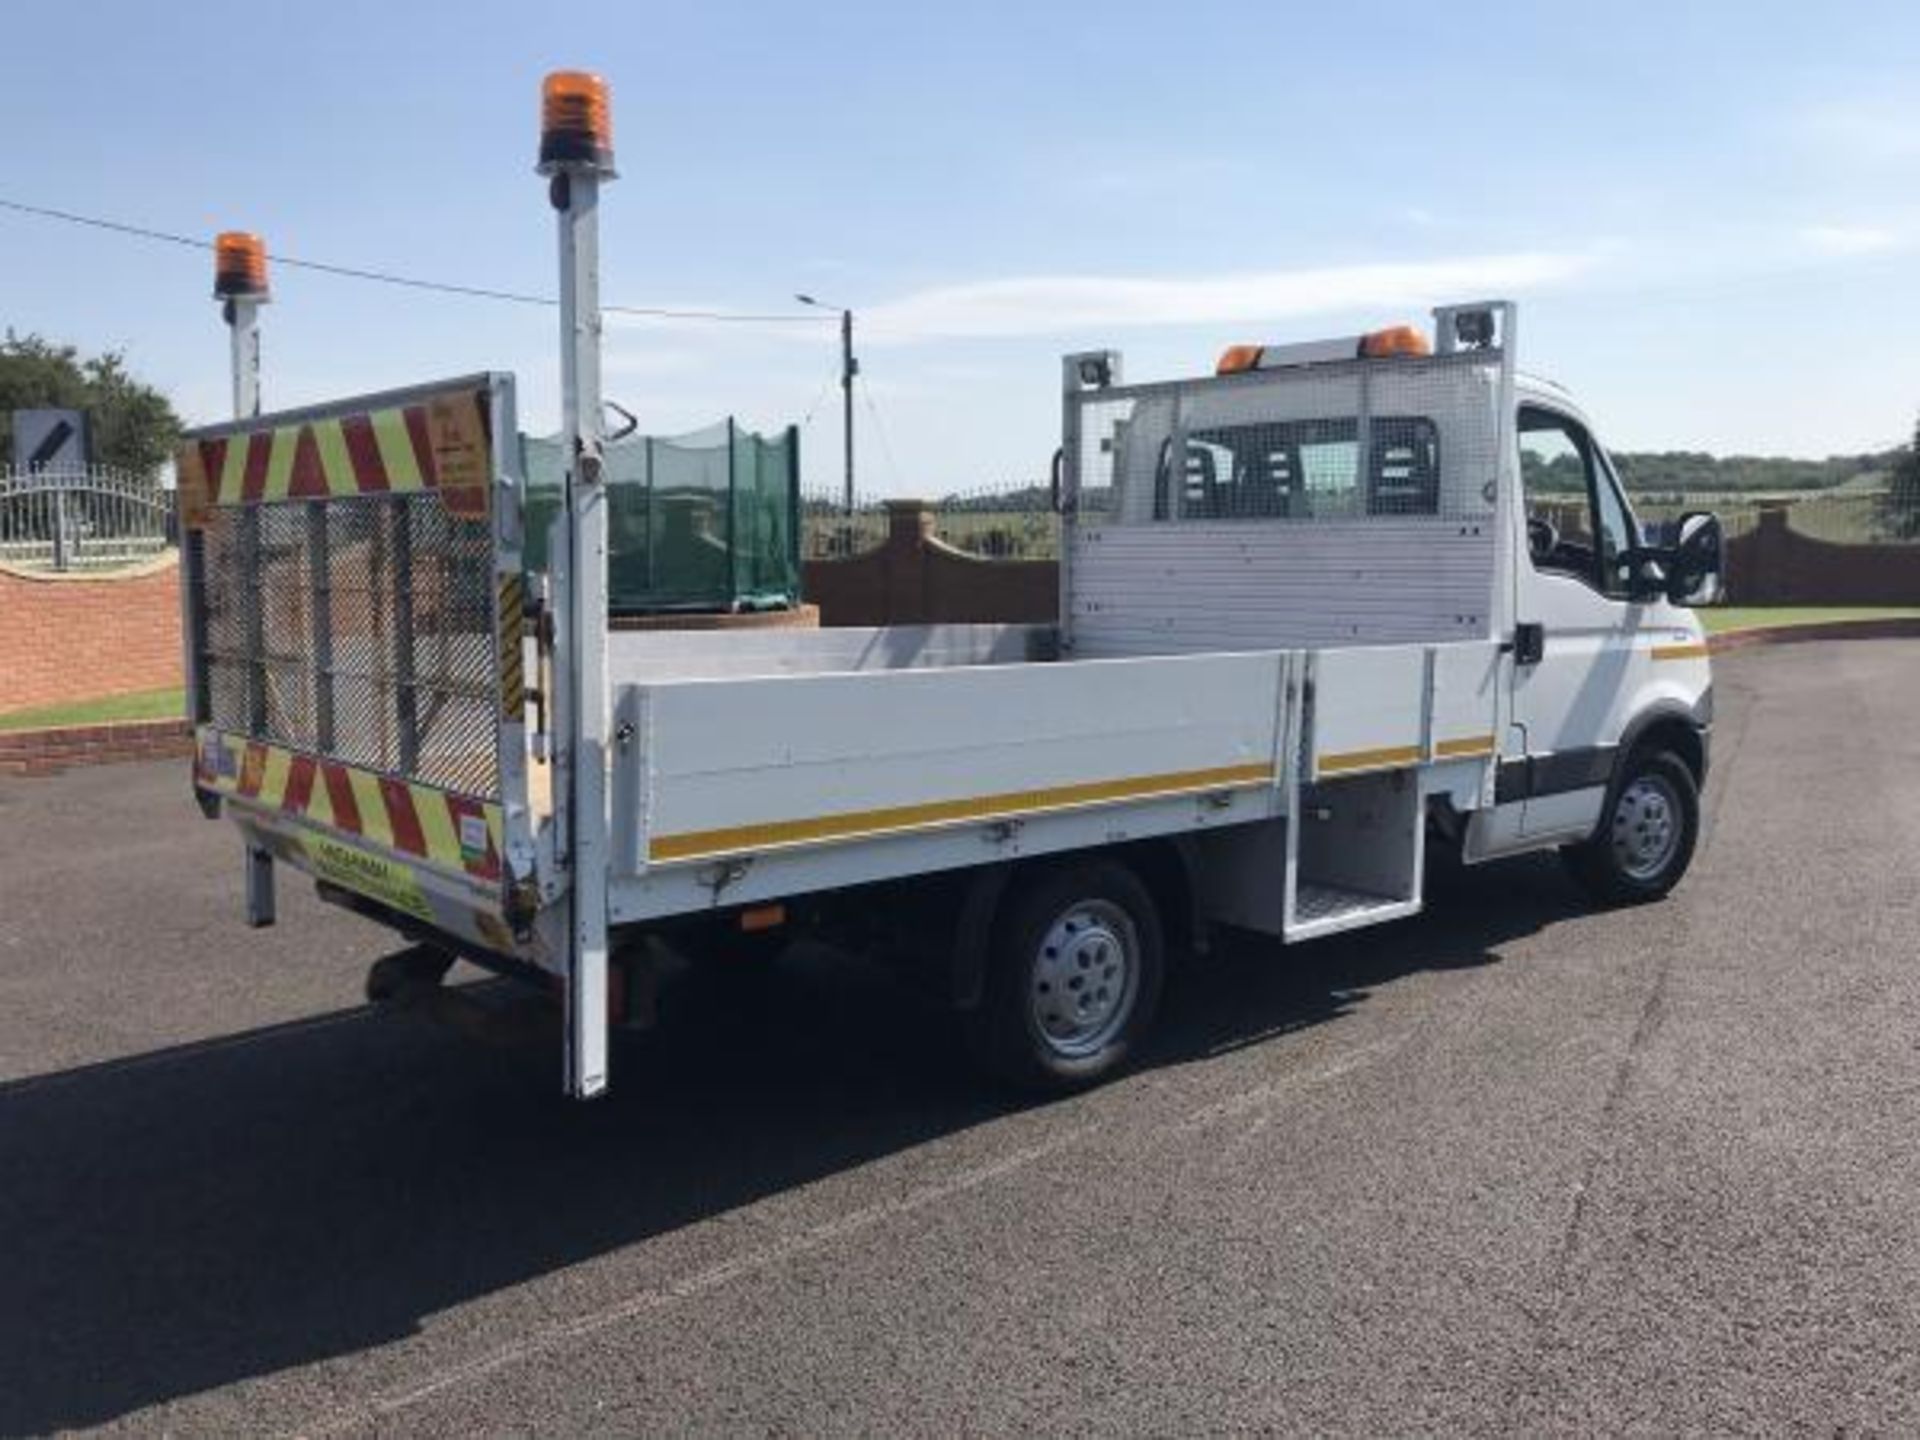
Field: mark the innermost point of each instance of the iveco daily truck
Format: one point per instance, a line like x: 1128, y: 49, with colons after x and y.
x: 1319, y: 609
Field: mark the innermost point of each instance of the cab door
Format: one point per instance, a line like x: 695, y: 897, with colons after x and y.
x: 1577, y: 657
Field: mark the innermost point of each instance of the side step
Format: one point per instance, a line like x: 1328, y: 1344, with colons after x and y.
x: 1354, y: 853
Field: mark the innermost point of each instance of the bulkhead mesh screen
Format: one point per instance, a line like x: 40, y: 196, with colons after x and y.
x: 1340, y: 442
x: 358, y: 628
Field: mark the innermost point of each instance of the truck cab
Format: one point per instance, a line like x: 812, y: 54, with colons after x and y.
x: 1609, y: 657
x: 1387, y: 489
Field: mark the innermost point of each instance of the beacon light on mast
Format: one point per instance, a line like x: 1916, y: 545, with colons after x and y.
x: 576, y: 155
x: 576, y: 123
x: 239, y: 266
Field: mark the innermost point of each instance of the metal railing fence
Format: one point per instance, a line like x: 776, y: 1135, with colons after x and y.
x: 99, y: 518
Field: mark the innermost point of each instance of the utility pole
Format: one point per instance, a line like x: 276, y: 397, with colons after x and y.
x: 849, y: 367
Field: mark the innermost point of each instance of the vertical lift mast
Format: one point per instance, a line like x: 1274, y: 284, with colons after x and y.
x: 576, y: 154
x: 240, y: 285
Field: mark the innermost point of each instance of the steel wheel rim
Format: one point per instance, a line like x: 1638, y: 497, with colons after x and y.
x: 1646, y: 827
x: 1084, y: 978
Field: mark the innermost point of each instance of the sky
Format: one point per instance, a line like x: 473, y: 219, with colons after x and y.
x: 1710, y: 213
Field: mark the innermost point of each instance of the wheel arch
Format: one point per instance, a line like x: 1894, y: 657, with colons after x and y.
x: 1168, y: 866
x: 1668, y: 725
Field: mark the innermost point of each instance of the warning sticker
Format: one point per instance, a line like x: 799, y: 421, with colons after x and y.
x: 194, y: 495
x: 462, y: 462
x: 473, y: 837
x: 374, y: 876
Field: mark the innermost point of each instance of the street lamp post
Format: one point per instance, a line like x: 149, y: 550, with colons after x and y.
x: 849, y: 367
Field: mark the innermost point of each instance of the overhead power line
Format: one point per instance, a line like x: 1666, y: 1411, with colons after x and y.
x: 410, y: 282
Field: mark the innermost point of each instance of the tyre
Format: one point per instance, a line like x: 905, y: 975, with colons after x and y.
x: 1074, y: 980
x: 1646, y: 835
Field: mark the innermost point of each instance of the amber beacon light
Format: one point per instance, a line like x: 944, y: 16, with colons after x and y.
x: 239, y: 266
x: 576, y: 122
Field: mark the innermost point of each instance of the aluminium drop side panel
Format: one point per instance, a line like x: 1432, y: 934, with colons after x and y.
x: 783, y: 874
x: 1466, y: 708
x: 1389, y: 706
x: 771, y: 786
x: 1368, y: 709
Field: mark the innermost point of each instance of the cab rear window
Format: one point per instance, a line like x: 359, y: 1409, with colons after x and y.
x: 1303, y: 469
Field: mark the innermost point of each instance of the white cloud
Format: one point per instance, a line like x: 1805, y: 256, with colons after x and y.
x: 1053, y: 304
x: 1850, y: 240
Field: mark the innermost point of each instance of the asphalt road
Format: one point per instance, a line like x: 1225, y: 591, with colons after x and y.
x: 1511, y: 1166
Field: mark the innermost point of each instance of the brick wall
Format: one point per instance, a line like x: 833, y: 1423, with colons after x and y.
x: 916, y: 579
x: 1773, y: 564
x: 70, y: 637
x: 48, y: 752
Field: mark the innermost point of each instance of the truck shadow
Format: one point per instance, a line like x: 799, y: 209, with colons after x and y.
x: 199, y: 1217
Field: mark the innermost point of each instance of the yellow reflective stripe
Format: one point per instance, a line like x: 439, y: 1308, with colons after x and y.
x: 273, y: 778
x: 335, y: 463
x: 396, y: 449
x: 436, y: 825
x: 286, y: 444
x: 492, y: 812
x: 691, y: 844
x: 233, y: 469
x: 1464, y: 745
x: 320, y: 800
x: 1694, y: 650
x: 1384, y: 758
x: 374, y: 823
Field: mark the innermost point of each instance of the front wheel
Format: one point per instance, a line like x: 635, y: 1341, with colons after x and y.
x: 1646, y: 837
x: 1074, y: 982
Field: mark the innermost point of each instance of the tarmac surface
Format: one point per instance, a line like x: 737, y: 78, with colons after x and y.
x: 1511, y: 1166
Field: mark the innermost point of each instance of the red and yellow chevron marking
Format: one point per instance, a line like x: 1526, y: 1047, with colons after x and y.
x: 440, y: 443
x: 453, y: 831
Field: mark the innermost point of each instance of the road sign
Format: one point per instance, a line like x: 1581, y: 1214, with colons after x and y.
x: 51, y: 440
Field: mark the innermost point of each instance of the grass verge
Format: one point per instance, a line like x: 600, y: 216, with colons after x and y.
x: 147, y: 705
x: 1720, y: 619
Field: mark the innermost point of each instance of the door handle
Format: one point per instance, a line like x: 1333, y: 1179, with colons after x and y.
x: 1529, y: 643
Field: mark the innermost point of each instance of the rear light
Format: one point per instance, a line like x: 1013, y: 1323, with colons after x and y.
x: 1397, y: 340
x: 1236, y: 359
x: 763, y: 917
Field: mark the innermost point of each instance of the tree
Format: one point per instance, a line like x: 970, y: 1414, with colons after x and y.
x: 133, y: 425
x: 1902, y: 505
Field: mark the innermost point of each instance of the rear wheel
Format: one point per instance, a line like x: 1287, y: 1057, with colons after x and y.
x: 1074, y: 983
x: 1646, y: 837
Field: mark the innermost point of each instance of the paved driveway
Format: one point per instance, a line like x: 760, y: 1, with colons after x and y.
x: 1510, y: 1166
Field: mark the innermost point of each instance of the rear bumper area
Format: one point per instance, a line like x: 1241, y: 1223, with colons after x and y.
x: 422, y: 855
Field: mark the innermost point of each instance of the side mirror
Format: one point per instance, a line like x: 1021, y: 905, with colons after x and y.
x: 1056, y: 479
x: 1696, y: 574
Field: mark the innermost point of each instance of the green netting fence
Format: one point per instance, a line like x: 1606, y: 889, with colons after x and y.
x: 704, y: 521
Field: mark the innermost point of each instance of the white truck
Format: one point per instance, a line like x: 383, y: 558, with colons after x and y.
x: 1319, y: 610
